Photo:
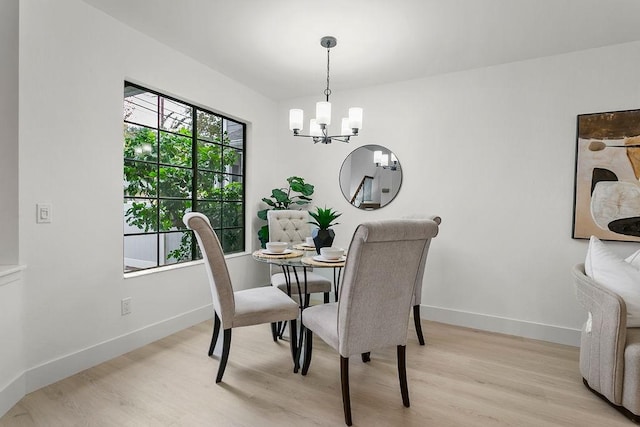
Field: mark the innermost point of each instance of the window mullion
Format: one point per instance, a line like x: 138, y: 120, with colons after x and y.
x: 194, y: 175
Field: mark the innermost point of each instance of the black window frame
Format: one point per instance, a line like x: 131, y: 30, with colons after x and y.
x: 227, y: 173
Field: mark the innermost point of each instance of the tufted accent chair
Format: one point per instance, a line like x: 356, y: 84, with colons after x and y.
x: 293, y: 227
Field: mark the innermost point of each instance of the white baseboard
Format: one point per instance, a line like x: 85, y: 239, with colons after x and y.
x: 62, y: 367
x: 538, y: 331
x: 12, y: 393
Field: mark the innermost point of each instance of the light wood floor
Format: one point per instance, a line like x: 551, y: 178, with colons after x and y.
x: 462, y: 377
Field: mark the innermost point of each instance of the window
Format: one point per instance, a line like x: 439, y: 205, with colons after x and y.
x: 178, y: 158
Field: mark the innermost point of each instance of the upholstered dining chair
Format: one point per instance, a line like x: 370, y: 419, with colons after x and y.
x: 378, y: 285
x: 293, y: 227
x: 417, y: 295
x: 234, y: 309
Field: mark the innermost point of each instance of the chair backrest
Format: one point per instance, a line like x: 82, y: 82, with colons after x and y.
x: 216, y: 266
x: 418, y: 291
x: 380, y: 276
x: 288, y: 226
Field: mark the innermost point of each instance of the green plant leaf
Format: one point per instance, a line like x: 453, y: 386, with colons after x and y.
x: 280, y: 195
x: 263, y: 214
x: 269, y: 202
x: 324, y: 218
x: 297, y: 184
x: 263, y: 235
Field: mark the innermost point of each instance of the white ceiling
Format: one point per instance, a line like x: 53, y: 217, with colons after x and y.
x: 273, y: 46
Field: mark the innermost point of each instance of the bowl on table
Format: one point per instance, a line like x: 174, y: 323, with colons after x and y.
x: 331, y: 252
x: 277, y: 247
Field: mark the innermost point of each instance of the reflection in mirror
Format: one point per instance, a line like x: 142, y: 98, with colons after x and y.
x: 370, y: 177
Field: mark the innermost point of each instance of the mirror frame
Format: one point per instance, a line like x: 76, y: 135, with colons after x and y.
x: 374, y: 171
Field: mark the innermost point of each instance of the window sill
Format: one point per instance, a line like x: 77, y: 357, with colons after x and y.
x: 10, y: 273
x: 174, y: 266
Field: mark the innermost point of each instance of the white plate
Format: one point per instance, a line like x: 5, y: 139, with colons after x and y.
x: 268, y: 252
x: 323, y: 259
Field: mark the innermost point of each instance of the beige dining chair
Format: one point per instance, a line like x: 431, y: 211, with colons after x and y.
x: 293, y: 227
x: 233, y: 309
x: 372, y: 312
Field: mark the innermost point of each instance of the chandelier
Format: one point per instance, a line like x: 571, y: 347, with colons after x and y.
x: 318, y: 126
x: 382, y: 160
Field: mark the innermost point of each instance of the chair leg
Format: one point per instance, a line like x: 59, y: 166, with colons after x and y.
x: 416, y: 321
x: 308, y: 341
x: 216, y: 331
x: 226, y: 345
x: 326, y: 297
x: 402, y: 374
x: 293, y: 338
x: 346, y: 399
x: 366, y: 357
x: 281, y: 328
x: 274, y: 331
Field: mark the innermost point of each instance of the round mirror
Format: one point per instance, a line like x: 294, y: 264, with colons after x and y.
x: 370, y: 177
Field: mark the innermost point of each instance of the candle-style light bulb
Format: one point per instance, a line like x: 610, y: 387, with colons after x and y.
x: 323, y: 113
x: 296, y: 118
x: 314, y: 128
x: 355, y: 118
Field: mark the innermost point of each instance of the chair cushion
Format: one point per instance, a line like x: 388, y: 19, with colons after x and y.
x: 263, y: 305
x: 617, y: 275
x: 315, y: 283
x: 323, y: 321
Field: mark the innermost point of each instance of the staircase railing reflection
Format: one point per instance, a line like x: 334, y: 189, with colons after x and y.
x: 363, y: 192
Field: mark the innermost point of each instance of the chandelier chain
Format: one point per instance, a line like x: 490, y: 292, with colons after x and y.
x: 327, y: 91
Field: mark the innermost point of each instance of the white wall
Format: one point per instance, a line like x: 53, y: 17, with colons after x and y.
x: 73, y: 61
x: 493, y: 152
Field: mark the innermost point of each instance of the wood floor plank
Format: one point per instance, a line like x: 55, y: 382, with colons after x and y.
x: 461, y: 377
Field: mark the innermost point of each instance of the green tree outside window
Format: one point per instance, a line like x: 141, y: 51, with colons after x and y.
x: 174, y: 164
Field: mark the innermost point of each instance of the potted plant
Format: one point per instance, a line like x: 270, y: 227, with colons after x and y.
x: 323, y: 236
x: 282, y: 198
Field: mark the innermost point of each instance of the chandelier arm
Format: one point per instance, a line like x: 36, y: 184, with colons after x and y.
x: 327, y: 139
x: 340, y: 138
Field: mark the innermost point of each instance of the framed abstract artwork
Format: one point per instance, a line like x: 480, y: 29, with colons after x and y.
x: 607, y: 186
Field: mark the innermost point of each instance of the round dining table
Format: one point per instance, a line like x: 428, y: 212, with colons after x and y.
x: 295, y: 262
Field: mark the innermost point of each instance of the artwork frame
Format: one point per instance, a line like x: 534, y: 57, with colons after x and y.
x: 607, y: 176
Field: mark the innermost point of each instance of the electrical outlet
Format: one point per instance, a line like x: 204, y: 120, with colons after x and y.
x: 125, y: 306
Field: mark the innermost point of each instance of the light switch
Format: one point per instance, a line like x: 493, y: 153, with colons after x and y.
x: 43, y: 213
